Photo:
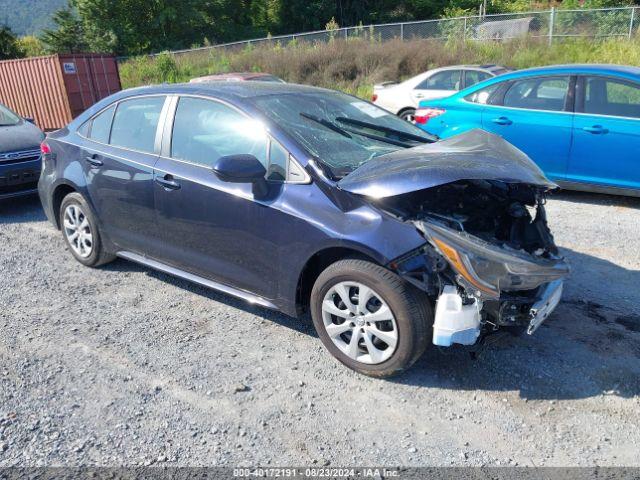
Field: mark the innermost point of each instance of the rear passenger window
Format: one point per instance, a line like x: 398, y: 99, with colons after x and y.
x: 547, y: 93
x: 471, y: 77
x: 135, y: 123
x: 606, y: 96
x: 205, y: 130
x: 101, y: 126
x: 445, y: 80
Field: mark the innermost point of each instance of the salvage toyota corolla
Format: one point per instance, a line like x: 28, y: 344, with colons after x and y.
x: 298, y: 198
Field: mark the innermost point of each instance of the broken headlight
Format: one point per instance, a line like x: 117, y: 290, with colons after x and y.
x: 488, y: 269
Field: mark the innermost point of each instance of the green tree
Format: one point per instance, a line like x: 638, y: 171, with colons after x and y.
x: 31, y: 46
x: 69, y: 34
x: 8, y: 44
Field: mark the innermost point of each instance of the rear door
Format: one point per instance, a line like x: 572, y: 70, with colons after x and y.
x: 118, y: 159
x: 439, y: 85
x: 606, y: 144
x: 536, y: 115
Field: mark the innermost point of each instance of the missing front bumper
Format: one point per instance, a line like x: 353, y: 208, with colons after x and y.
x: 548, y: 302
x: 461, y: 322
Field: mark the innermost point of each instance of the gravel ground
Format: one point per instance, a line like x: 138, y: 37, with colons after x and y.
x: 126, y: 366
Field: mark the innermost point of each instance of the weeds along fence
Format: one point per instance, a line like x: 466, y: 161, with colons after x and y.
x: 553, y: 24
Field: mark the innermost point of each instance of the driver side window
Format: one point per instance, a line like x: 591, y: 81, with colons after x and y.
x: 205, y: 130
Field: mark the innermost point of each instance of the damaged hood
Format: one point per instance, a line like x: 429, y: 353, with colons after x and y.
x: 474, y: 155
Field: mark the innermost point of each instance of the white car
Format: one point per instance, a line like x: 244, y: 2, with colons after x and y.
x: 403, y: 98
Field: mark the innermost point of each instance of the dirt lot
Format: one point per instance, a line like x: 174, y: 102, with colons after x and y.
x: 125, y: 366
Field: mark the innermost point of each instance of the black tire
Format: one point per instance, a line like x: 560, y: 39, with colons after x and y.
x: 410, y: 307
x: 407, y: 114
x: 98, y: 255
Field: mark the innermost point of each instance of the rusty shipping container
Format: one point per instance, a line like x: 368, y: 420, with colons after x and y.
x: 55, y: 89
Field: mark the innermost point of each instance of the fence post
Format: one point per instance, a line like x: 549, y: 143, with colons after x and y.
x: 552, y: 17
x: 633, y: 14
x: 402, y: 31
x: 346, y: 34
x: 464, y: 30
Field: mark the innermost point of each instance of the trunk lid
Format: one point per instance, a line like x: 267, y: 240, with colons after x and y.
x: 474, y: 155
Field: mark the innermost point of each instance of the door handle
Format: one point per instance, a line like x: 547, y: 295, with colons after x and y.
x: 93, y: 161
x: 502, y: 121
x: 167, y: 181
x: 596, y: 129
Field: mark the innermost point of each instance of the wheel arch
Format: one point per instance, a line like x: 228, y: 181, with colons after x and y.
x: 318, y: 262
x: 59, y: 192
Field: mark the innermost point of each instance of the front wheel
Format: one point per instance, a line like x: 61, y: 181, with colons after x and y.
x: 369, y: 318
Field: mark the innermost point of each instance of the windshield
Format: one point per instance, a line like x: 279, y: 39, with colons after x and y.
x: 341, y: 131
x: 7, y: 117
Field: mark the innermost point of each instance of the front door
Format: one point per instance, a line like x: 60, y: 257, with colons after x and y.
x: 118, y: 159
x: 534, y: 115
x: 212, y: 228
x: 606, y: 138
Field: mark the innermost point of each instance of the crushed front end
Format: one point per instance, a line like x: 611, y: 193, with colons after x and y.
x: 489, y: 259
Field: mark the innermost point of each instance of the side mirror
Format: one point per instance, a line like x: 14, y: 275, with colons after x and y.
x: 239, y: 169
x: 30, y: 120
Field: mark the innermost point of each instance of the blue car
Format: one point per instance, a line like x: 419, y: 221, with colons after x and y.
x: 579, y: 123
x: 303, y: 199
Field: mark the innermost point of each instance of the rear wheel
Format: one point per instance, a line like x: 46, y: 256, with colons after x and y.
x: 80, y: 231
x: 408, y: 114
x: 369, y: 318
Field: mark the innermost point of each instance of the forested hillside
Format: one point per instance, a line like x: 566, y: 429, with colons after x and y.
x: 27, y: 17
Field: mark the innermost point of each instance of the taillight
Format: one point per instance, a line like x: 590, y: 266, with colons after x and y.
x: 374, y: 97
x: 423, y: 115
x: 44, y: 148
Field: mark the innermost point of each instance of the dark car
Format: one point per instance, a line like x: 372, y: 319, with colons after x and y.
x: 19, y: 155
x: 298, y: 198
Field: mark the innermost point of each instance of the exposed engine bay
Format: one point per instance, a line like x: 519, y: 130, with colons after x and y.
x: 490, y: 259
x: 508, y: 215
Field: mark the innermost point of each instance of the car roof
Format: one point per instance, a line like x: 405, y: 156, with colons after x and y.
x: 225, y: 90
x: 576, y: 68
x: 233, y: 76
x: 489, y: 67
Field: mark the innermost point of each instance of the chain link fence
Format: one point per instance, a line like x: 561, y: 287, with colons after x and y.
x: 550, y: 24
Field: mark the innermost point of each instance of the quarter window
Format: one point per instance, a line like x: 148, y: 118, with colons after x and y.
x: 548, y: 93
x: 446, y: 80
x: 278, y: 161
x: 606, y: 96
x: 101, y: 126
x: 135, y: 123
x: 483, y: 95
x: 204, y: 130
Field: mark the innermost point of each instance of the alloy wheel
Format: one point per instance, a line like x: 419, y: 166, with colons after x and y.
x: 78, y: 231
x: 359, y: 322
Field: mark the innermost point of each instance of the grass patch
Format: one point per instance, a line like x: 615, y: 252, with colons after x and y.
x: 355, y: 65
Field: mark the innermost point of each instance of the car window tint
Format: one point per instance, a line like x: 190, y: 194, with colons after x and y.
x: 547, y: 93
x: 101, y: 126
x: 205, y: 130
x: 483, y: 95
x: 474, y: 76
x: 446, y: 80
x: 135, y: 123
x: 606, y: 96
x: 278, y: 160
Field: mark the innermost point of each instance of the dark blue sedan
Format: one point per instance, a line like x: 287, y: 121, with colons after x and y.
x: 298, y: 198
